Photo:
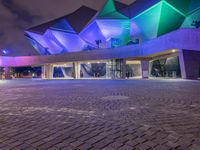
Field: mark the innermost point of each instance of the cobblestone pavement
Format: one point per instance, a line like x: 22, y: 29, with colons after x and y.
x: 100, y: 115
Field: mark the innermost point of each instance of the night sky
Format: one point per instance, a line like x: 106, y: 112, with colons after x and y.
x: 19, y: 15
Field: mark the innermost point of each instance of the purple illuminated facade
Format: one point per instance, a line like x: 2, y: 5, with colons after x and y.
x: 148, y: 38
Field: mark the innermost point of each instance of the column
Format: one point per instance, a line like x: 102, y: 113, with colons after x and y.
x: 43, y: 72
x: 145, y: 69
x: 123, y: 67
x: 77, y: 70
x: 108, y: 69
x: 182, y: 65
x: 7, y: 72
x: 47, y: 71
x: 189, y: 61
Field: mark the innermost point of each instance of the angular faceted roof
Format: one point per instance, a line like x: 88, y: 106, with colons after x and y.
x: 194, y: 6
x: 76, y: 20
x: 119, y: 5
x: 80, y: 18
x: 40, y: 29
x: 137, y: 7
x: 140, y: 6
x: 110, y: 10
x: 156, y: 17
x: 116, y: 24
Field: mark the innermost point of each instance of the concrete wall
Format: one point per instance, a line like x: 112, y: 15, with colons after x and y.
x: 190, y: 64
x: 179, y: 39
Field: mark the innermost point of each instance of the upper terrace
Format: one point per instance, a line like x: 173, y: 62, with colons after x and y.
x: 182, y: 39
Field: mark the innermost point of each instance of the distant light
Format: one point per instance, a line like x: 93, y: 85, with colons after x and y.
x: 4, y: 51
x: 173, y: 51
x: 98, y: 62
x: 88, y: 63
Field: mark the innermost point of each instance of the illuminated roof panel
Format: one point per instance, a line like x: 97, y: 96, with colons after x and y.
x: 93, y: 33
x: 71, y: 42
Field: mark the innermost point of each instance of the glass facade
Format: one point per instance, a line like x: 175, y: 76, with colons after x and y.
x: 165, y: 67
x: 133, y: 69
x: 63, y: 71
x: 93, y: 70
x: 112, y: 69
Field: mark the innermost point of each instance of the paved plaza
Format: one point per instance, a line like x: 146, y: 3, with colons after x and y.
x: 99, y: 115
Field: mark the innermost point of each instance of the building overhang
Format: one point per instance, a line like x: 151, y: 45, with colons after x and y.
x: 187, y: 39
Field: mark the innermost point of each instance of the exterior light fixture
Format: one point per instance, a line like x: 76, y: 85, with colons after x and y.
x: 4, y: 51
x: 173, y: 51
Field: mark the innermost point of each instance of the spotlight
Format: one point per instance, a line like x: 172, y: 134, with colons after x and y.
x: 173, y: 51
x: 4, y: 51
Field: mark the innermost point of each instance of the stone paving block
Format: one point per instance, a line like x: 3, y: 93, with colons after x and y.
x: 126, y: 147
x: 194, y: 147
x: 162, y: 147
x: 108, y: 148
x: 151, y: 144
x: 76, y: 143
x: 84, y: 147
x: 158, y: 114
x: 143, y: 147
x: 68, y: 148
x: 116, y: 145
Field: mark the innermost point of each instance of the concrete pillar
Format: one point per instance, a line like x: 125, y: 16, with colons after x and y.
x: 109, y: 69
x: 189, y: 64
x: 43, y: 72
x: 77, y: 70
x: 7, y: 72
x: 47, y: 71
x: 145, y: 69
x: 182, y: 65
x: 123, y: 67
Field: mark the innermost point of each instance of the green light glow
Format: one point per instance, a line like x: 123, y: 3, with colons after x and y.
x: 181, y: 6
x: 194, y: 6
x: 195, y: 16
x: 109, y: 7
x: 113, y: 15
x: 170, y: 19
x: 159, y: 19
x: 174, y: 8
x: 145, y: 26
x: 147, y: 10
x: 109, y: 12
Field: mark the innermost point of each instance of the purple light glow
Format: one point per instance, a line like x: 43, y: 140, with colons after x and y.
x: 93, y: 33
x: 72, y: 42
x: 47, y: 43
x: 5, y: 51
x: 115, y: 28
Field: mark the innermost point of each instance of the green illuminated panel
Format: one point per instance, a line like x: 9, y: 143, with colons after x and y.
x: 156, y: 21
x: 181, y: 5
x: 193, y: 17
x: 170, y: 19
x: 145, y: 26
x: 109, y: 12
x: 113, y: 15
x: 194, y: 6
x: 109, y: 7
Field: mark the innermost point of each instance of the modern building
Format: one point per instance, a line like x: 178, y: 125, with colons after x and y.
x: 148, y: 38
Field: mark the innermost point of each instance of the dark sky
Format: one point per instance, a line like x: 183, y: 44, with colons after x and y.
x: 18, y: 15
